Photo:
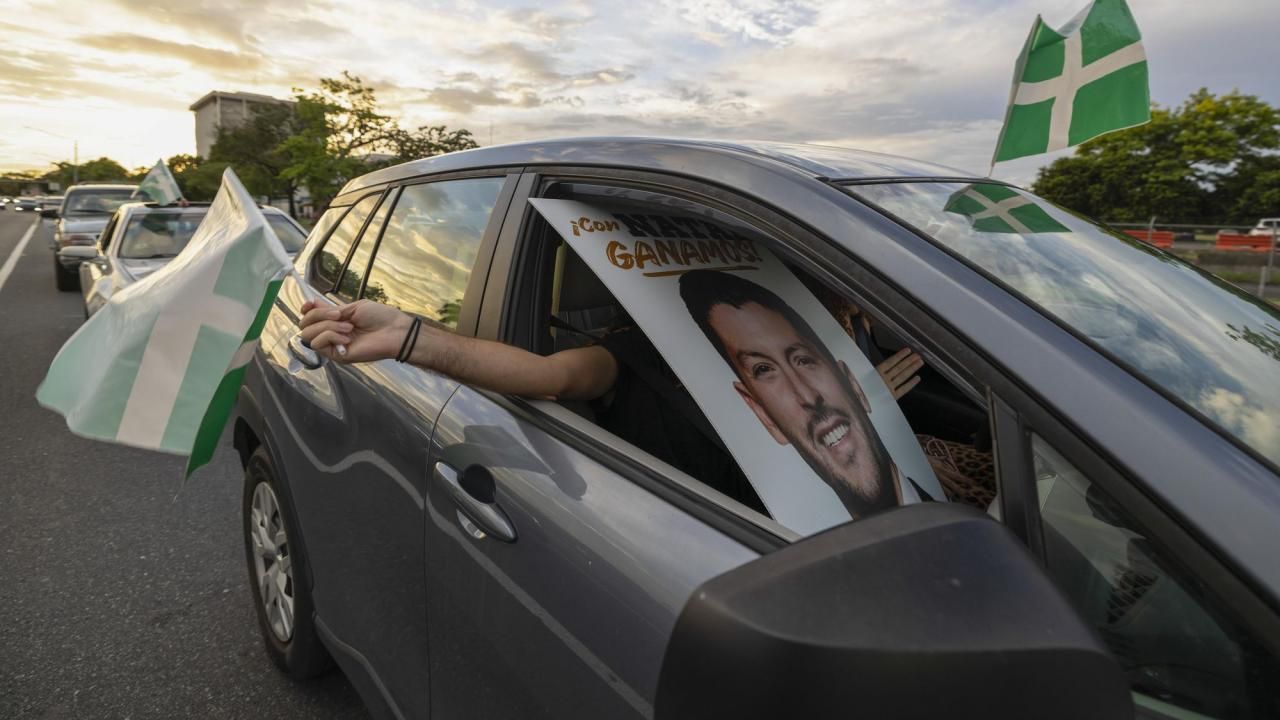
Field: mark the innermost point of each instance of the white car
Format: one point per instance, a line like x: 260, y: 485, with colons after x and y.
x: 141, y: 237
x: 1266, y: 226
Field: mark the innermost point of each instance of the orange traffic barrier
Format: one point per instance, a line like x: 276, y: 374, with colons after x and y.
x: 1256, y: 243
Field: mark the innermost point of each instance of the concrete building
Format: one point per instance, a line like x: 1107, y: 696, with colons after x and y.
x: 224, y: 109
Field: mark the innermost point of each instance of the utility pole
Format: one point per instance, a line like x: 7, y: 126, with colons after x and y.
x: 75, y: 163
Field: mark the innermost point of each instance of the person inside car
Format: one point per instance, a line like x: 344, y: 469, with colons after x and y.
x: 637, y: 395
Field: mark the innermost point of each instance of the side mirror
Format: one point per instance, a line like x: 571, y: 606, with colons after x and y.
x: 927, y: 611
x: 82, y: 252
x: 51, y: 213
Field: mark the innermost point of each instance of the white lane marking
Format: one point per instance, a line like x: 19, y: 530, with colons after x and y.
x: 17, y: 253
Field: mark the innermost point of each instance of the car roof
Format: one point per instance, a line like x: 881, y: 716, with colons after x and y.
x: 696, y: 158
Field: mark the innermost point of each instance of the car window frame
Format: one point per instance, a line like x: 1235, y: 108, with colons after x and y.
x: 1019, y: 415
x: 471, y: 298
x: 108, y: 231
x: 314, y: 258
x: 794, y: 243
x: 388, y: 200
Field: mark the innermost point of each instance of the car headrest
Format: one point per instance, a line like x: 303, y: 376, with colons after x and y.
x: 580, y: 289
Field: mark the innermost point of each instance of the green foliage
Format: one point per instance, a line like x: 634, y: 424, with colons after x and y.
x: 253, y: 150
x: 1213, y: 159
x: 104, y: 169
x: 340, y: 134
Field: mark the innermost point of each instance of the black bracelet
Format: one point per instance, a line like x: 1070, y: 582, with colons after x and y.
x: 410, y: 340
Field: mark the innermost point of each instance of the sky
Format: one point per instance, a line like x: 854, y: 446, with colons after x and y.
x: 923, y: 78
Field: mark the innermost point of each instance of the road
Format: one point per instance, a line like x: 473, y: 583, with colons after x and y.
x: 123, y: 593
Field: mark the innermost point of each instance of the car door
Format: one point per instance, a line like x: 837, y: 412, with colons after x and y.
x: 362, y: 431
x: 558, y: 555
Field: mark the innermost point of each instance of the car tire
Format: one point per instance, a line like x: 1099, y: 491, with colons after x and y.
x: 65, y: 280
x: 289, y: 634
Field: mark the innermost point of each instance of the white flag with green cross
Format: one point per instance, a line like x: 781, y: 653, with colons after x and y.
x: 159, y: 185
x: 1083, y: 80
x: 160, y: 365
x: 1001, y: 209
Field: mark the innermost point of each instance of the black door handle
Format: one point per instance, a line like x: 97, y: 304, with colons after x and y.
x: 483, y: 511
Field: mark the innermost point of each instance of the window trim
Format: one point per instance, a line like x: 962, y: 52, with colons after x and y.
x: 315, y: 254
x: 1158, y: 525
x: 798, y: 244
x: 388, y: 201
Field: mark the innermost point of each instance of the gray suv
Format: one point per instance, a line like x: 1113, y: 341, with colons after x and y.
x: 461, y: 553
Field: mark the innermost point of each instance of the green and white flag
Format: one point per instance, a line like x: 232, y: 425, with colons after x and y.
x: 1001, y: 209
x: 159, y: 185
x: 160, y: 365
x: 1081, y: 81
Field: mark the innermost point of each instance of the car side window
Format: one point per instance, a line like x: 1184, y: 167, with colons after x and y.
x: 348, y: 287
x: 332, y: 256
x: 1180, y: 649
x: 430, y: 244
x: 567, y: 306
x: 104, y: 238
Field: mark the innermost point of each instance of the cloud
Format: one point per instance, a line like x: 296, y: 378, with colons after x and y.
x: 769, y: 21
x: 198, y: 55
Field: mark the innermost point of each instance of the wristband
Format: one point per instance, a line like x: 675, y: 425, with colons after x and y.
x: 410, y: 340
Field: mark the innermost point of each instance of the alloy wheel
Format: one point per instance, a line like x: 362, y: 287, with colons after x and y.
x: 272, y: 562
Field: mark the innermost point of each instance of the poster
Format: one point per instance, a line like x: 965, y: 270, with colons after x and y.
x: 812, y: 425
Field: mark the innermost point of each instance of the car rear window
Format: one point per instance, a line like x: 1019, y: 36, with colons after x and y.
x: 290, y: 236
x: 159, y: 235
x: 96, y: 202
x: 1201, y: 340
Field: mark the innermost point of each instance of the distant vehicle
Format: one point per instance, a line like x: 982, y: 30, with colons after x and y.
x: 25, y: 204
x: 1266, y: 226
x: 141, y: 238
x: 83, y: 213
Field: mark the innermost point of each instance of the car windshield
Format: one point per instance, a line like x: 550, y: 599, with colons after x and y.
x: 97, y: 202
x: 159, y: 234
x: 290, y: 236
x: 1199, y: 339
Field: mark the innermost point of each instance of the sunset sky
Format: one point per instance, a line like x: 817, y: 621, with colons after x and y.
x: 925, y: 78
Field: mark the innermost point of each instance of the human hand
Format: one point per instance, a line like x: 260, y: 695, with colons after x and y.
x: 368, y: 330
x: 899, y: 371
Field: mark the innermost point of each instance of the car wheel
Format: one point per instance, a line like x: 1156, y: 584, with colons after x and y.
x: 277, y: 574
x: 66, y: 281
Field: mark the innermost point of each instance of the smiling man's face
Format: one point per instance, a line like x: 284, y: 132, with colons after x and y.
x: 805, y: 398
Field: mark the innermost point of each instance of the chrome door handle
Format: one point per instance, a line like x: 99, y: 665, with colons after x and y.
x: 486, y: 515
x: 303, y: 352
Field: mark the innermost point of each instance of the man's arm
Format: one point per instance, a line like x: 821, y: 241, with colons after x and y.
x: 371, y: 331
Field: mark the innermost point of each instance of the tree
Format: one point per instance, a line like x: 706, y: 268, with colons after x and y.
x: 1210, y: 160
x: 335, y: 126
x: 103, y: 169
x: 253, y: 150
x: 430, y: 140
x: 340, y: 133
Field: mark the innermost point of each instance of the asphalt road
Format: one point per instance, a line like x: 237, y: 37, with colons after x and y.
x: 123, y: 593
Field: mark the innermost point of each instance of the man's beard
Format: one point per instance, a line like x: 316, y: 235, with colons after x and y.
x: 867, y: 483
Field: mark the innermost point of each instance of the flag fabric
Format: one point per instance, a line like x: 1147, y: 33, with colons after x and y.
x: 160, y: 365
x: 1083, y: 80
x: 1001, y: 209
x: 159, y: 185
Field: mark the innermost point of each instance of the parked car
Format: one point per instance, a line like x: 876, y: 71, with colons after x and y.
x: 1266, y: 226
x: 83, y: 213
x: 460, y: 553
x: 141, y: 238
